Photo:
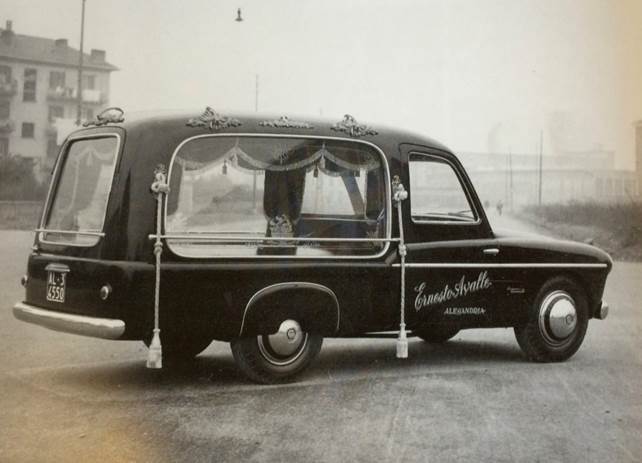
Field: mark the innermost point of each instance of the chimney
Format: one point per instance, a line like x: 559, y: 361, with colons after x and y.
x: 61, y: 43
x: 97, y: 56
x: 7, y: 33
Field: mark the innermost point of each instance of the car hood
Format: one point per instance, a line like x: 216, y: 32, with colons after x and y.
x: 533, y: 247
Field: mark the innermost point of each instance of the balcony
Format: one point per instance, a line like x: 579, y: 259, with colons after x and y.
x: 68, y: 94
x: 61, y: 94
x: 93, y: 97
x: 6, y: 126
x: 8, y: 88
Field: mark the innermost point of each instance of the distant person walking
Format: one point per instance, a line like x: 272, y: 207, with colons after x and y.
x: 500, y: 206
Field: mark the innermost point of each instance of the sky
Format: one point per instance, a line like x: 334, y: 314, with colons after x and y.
x: 477, y: 75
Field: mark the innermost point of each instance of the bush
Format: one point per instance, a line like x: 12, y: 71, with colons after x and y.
x: 604, y: 215
x: 615, y: 227
x: 18, y: 181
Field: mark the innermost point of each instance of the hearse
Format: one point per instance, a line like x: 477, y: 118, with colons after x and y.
x: 271, y: 233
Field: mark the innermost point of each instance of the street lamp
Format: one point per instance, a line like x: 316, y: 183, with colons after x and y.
x: 79, y: 91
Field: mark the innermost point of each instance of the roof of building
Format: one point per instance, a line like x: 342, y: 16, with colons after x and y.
x: 48, y: 51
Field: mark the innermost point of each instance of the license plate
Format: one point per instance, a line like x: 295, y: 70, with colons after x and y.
x: 56, y: 284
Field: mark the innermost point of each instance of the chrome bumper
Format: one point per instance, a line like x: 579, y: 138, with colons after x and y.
x: 603, y: 312
x: 106, y: 328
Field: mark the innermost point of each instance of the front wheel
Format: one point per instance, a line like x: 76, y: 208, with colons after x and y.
x: 557, y: 322
x: 277, y: 357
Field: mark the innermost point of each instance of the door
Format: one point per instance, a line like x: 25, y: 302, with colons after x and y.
x: 450, y: 245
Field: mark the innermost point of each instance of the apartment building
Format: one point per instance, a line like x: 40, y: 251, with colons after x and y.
x: 39, y: 93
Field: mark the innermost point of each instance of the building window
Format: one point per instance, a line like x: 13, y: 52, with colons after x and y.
x: 56, y: 79
x: 27, y: 129
x: 5, y: 109
x: 4, y: 146
x: 89, y: 82
x: 29, y: 89
x: 52, y: 148
x: 5, y: 75
x: 56, y: 112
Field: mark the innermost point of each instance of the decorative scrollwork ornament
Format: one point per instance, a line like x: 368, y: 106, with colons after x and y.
x: 213, y: 120
x: 350, y: 126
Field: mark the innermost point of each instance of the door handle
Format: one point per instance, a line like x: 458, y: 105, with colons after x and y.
x: 491, y: 251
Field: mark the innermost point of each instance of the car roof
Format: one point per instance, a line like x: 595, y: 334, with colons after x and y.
x: 197, y: 122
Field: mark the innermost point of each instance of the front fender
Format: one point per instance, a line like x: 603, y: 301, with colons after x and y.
x: 314, y: 306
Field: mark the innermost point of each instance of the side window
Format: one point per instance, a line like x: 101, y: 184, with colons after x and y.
x: 437, y: 193
x: 271, y: 196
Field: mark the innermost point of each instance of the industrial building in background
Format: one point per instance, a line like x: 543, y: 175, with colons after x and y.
x: 39, y: 93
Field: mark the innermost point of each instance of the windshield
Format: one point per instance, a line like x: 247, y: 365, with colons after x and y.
x: 310, y: 197
x: 77, y: 209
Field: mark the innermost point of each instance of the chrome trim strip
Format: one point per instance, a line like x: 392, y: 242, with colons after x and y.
x: 291, y: 284
x: 69, y: 232
x: 518, y: 265
x: 464, y: 186
x: 106, y: 328
x: 308, y: 137
x: 54, y: 181
x: 240, y: 239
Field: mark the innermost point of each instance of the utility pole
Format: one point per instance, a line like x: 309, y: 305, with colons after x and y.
x: 256, y: 93
x: 79, y: 90
x: 510, y: 178
x: 541, y: 153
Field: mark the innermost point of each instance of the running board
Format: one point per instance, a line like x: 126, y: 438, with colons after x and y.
x: 379, y: 334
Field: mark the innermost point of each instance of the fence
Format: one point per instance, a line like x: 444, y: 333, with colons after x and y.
x: 19, y: 215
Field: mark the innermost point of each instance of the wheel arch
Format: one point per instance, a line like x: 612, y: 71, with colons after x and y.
x: 313, y: 305
x: 584, y: 283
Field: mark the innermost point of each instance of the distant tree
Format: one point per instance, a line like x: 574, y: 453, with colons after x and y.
x: 18, y: 181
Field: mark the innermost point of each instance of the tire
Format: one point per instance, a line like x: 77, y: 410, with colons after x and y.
x: 181, y: 348
x: 435, y: 334
x: 558, y: 320
x: 278, y: 357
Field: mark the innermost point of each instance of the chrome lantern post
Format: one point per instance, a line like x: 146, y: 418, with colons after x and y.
x: 399, y: 194
x: 159, y: 188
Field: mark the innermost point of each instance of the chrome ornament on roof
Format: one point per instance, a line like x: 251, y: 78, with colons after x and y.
x: 109, y: 115
x: 350, y: 126
x: 213, y: 120
x: 284, y: 122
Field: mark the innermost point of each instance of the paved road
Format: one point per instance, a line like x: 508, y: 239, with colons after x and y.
x: 70, y: 398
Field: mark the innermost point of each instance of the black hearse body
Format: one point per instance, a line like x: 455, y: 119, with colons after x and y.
x: 274, y: 233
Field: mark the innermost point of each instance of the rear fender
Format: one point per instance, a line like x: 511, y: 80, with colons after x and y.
x: 313, y: 305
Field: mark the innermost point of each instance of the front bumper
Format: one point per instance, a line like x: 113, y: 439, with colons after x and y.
x: 106, y: 328
x: 603, y: 311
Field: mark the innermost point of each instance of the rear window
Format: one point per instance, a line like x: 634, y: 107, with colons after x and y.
x: 258, y: 196
x: 76, y: 212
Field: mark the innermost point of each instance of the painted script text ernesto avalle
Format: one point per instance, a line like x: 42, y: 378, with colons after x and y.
x: 448, y: 293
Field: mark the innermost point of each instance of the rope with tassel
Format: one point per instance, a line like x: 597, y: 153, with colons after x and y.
x: 159, y: 188
x: 400, y: 194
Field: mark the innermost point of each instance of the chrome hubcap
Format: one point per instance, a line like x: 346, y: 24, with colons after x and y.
x: 557, y: 317
x: 284, y: 346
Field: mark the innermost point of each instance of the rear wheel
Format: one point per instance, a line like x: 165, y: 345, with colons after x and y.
x: 276, y: 357
x: 436, y: 334
x: 557, y: 324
